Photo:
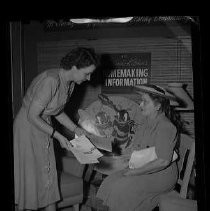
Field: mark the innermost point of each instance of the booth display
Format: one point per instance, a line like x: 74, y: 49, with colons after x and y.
x: 112, y: 120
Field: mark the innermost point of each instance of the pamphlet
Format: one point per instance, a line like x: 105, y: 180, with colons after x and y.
x: 84, y: 150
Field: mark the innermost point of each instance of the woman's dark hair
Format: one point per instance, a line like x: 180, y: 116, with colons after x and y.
x: 80, y: 57
x: 169, y: 111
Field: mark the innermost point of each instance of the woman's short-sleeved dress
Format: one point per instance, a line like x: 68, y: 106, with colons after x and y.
x: 129, y: 193
x: 35, y: 175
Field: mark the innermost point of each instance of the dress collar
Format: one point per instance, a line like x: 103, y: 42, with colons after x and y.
x: 65, y: 83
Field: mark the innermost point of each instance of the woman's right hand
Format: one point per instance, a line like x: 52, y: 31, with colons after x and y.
x: 64, y: 142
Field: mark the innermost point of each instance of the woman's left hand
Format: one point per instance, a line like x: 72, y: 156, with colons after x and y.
x: 79, y: 131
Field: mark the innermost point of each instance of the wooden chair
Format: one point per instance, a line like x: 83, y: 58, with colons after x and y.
x: 185, y: 165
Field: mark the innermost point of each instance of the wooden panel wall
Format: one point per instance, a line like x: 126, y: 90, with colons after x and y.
x: 171, y: 60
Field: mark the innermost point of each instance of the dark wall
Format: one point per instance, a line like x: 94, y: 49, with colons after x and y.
x: 34, y: 32
x: 42, y: 49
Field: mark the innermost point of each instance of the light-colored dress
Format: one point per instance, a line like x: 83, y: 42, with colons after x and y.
x: 129, y: 193
x: 35, y: 175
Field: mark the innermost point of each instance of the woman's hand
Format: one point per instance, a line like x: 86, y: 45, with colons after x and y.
x: 64, y: 142
x: 79, y: 131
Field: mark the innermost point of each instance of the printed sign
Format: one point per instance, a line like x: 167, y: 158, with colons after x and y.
x: 126, y: 71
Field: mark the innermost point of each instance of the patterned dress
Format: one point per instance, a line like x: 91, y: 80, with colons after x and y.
x: 129, y: 193
x: 35, y: 175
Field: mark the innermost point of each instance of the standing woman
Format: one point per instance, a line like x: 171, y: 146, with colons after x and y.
x: 35, y: 175
x: 139, y: 189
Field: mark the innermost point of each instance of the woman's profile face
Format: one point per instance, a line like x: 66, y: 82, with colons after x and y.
x: 83, y: 74
x: 147, y: 105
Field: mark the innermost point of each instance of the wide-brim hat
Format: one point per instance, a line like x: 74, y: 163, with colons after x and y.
x: 155, y: 90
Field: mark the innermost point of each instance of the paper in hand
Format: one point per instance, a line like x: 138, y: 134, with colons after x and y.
x: 84, y: 150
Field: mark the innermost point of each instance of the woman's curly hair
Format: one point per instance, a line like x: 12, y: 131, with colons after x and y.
x: 80, y: 57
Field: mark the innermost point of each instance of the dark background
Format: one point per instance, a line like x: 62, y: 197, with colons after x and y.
x: 201, y: 104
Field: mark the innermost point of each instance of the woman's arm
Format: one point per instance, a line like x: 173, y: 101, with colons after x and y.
x: 69, y: 124
x: 34, y: 116
x: 164, y: 146
x: 151, y: 167
x: 41, y: 98
x: 66, y: 121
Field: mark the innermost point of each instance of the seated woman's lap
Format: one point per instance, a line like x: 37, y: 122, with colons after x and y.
x: 158, y: 182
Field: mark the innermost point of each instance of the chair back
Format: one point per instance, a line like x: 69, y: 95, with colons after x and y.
x: 185, y: 162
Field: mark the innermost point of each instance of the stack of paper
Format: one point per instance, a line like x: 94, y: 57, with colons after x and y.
x: 84, y: 150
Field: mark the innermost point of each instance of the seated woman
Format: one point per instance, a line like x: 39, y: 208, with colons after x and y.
x: 139, y: 188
